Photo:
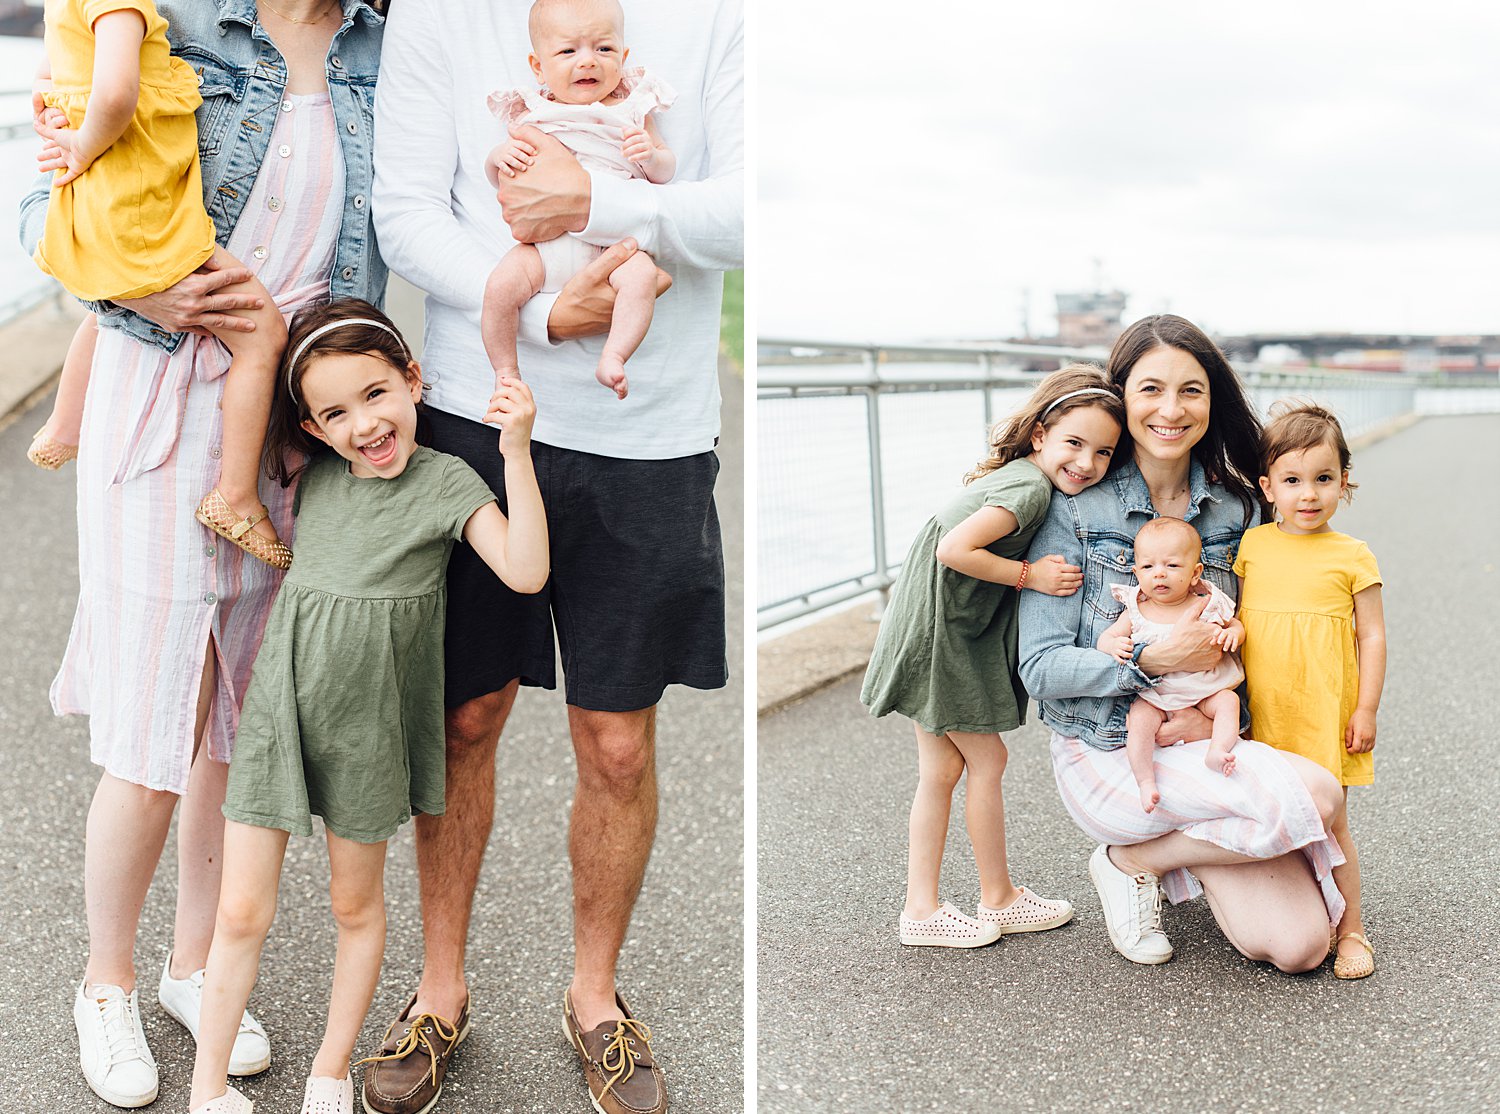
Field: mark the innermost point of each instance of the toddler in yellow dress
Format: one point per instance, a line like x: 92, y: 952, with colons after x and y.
x: 126, y: 219
x: 1315, y: 630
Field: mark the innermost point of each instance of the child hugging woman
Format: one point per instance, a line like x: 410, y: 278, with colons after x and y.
x: 602, y: 113
x: 344, y: 715
x: 946, y: 654
x: 1315, y: 632
x: 126, y: 219
x: 1169, y: 584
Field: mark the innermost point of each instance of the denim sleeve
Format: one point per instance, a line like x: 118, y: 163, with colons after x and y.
x: 1057, y: 659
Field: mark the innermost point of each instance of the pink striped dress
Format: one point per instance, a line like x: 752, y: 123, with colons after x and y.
x: 156, y: 588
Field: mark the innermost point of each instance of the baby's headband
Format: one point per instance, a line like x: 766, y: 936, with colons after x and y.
x: 1074, y: 394
x: 328, y: 328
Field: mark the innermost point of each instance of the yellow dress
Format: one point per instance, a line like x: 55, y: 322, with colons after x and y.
x: 133, y: 223
x: 1301, y: 665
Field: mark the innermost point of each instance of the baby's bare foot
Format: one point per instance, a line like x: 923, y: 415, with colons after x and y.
x: 1150, y: 798
x: 1221, y: 760
x: 611, y: 372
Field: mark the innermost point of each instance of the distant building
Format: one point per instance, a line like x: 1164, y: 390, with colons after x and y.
x: 1090, y: 319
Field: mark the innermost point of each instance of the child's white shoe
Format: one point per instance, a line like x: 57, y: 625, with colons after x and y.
x: 948, y: 928
x: 230, y: 1102
x: 328, y: 1096
x: 1027, y: 913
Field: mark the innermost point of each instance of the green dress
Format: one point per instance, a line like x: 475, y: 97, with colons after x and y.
x: 946, y: 653
x: 344, y: 714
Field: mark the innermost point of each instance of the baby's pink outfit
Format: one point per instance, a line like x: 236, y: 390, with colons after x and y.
x: 1174, y: 691
x: 592, y: 133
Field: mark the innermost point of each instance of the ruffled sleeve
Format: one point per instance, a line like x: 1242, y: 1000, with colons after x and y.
x: 649, y: 92
x: 1220, y: 607
x: 508, y: 105
x: 1124, y: 593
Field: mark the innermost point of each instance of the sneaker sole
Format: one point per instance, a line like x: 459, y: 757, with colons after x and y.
x: 1147, y: 960
x: 926, y: 942
x: 1040, y: 926
x: 237, y: 1068
x: 364, y: 1100
x: 128, y: 1102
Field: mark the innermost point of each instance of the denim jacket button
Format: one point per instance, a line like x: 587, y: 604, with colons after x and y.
x: 359, y: 201
x: 338, y: 63
x: 1120, y: 558
x: 352, y: 129
x: 348, y: 272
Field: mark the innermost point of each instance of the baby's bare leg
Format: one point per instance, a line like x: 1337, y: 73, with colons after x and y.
x: 1141, y: 723
x: 1224, y: 707
x: 248, y: 387
x: 514, y: 282
x: 634, y: 282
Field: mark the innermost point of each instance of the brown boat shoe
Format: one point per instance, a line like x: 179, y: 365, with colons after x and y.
x: 622, y: 1075
x: 407, y: 1075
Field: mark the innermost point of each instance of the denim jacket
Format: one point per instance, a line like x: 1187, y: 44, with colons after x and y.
x: 242, y: 77
x: 1083, y: 692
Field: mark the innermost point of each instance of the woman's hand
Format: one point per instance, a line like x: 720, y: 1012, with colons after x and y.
x: 1190, y: 648
x: 514, y: 410
x: 587, y: 300
x: 192, y: 304
x: 1053, y: 576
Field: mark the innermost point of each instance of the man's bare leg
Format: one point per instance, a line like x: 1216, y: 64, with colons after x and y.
x: 450, y: 849
x: 609, y: 842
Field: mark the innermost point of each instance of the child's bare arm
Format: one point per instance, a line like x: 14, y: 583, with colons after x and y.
x: 1115, y: 640
x: 646, y: 148
x: 516, y: 547
x: 1369, y: 637
x: 963, y: 549
x: 113, y: 95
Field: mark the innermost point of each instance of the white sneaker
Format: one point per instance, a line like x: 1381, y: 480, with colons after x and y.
x: 1132, y: 910
x: 111, y: 1046
x: 328, y: 1096
x: 230, y: 1102
x: 183, y: 1001
x: 948, y: 928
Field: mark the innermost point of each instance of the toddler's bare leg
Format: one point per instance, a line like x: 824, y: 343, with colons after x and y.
x: 514, y: 282
x: 1141, y: 723
x: 249, y: 386
x: 1224, y: 707
x: 1347, y: 878
x: 67, y: 411
x: 634, y: 283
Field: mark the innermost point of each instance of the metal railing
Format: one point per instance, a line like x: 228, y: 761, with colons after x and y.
x: 855, y: 439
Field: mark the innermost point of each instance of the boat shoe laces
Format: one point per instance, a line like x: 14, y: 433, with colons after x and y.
x: 620, y: 1056
x: 419, y: 1035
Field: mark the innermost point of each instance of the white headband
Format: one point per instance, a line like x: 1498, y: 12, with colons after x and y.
x: 328, y: 328
x: 1074, y: 394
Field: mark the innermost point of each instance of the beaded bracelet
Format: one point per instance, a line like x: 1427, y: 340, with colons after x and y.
x: 1025, y: 568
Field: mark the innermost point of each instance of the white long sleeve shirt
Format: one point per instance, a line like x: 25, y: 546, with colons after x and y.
x: 440, y: 227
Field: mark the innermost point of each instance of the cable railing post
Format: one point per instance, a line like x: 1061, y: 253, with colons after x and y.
x: 877, y: 486
x: 986, y: 369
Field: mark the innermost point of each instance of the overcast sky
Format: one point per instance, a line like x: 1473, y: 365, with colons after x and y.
x: 1269, y: 166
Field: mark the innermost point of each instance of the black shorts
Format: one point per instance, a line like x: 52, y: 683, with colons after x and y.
x: 637, y: 585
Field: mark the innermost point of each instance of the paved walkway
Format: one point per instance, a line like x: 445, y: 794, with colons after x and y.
x: 850, y: 1020
x: 682, y: 967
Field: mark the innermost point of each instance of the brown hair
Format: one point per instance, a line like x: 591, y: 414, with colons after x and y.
x: 1230, y: 451
x: 288, y: 445
x: 1011, y: 439
x: 1166, y: 523
x: 1297, y: 425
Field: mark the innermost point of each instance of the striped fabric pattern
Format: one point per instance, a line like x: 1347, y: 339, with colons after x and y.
x: 156, y: 588
x: 1262, y: 810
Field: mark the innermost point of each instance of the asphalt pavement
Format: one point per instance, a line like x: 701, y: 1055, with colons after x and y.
x: 683, y: 964
x: 1057, y: 1021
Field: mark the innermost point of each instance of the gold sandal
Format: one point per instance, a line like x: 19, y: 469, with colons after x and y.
x: 216, y: 513
x: 1354, y: 966
x: 49, y: 453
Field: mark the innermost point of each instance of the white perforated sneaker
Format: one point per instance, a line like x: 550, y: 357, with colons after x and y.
x: 1028, y: 913
x: 328, y: 1096
x: 111, y: 1046
x: 1132, y: 910
x: 230, y: 1102
x: 183, y: 1001
x: 948, y: 928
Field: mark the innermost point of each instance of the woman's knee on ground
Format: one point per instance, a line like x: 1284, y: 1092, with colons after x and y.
x: 1299, y: 949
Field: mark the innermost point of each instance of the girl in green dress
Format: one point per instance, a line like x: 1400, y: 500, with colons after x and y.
x: 946, y: 654
x: 344, y: 715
